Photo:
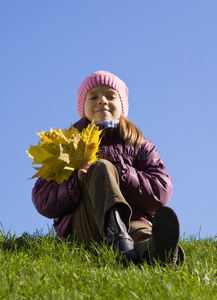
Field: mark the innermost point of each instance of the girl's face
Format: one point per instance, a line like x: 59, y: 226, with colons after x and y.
x: 102, y: 104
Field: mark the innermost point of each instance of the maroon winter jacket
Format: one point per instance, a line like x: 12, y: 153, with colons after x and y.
x: 144, y: 183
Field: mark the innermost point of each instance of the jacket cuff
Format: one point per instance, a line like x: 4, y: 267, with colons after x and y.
x: 72, y: 188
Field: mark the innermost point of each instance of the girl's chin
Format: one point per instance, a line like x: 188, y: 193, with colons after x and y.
x: 101, y: 120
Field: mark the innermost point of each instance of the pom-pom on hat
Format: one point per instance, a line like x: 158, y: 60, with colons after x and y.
x: 102, y: 78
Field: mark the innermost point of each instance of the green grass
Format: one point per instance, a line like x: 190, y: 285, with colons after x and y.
x: 39, y: 267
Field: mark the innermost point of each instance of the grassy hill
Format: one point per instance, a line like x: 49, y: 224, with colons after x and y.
x: 39, y: 267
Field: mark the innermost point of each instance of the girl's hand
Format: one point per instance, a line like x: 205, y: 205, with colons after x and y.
x: 82, y: 171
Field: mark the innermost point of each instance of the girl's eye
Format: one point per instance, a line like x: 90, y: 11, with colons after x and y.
x: 111, y: 97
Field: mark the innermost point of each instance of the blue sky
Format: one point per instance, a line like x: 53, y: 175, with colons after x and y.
x: 165, y: 51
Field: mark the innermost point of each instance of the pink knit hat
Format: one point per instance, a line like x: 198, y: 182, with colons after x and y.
x: 102, y: 78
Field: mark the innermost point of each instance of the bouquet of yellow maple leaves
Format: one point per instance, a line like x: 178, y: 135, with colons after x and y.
x: 61, y: 152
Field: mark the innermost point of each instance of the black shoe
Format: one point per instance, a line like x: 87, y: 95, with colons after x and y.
x: 116, y: 236
x: 124, y: 244
x: 164, y: 240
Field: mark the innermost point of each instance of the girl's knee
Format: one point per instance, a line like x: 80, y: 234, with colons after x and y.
x: 101, y: 167
x: 101, y: 163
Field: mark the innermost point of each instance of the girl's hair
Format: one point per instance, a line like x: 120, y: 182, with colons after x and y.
x: 128, y: 131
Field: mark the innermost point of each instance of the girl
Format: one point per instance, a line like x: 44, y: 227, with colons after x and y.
x: 122, y: 196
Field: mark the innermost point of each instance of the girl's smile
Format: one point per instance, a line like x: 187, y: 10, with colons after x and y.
x: 102, y: 103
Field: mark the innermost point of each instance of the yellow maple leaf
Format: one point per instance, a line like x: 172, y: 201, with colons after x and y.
x: 61, y: 152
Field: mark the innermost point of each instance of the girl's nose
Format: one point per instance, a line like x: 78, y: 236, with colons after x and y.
x: 102, y: 100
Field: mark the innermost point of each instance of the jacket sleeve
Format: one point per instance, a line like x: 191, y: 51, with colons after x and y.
x: 146, y: 184
x: 54, y: 200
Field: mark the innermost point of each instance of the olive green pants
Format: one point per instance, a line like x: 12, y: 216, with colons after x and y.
x: 100, y: 192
